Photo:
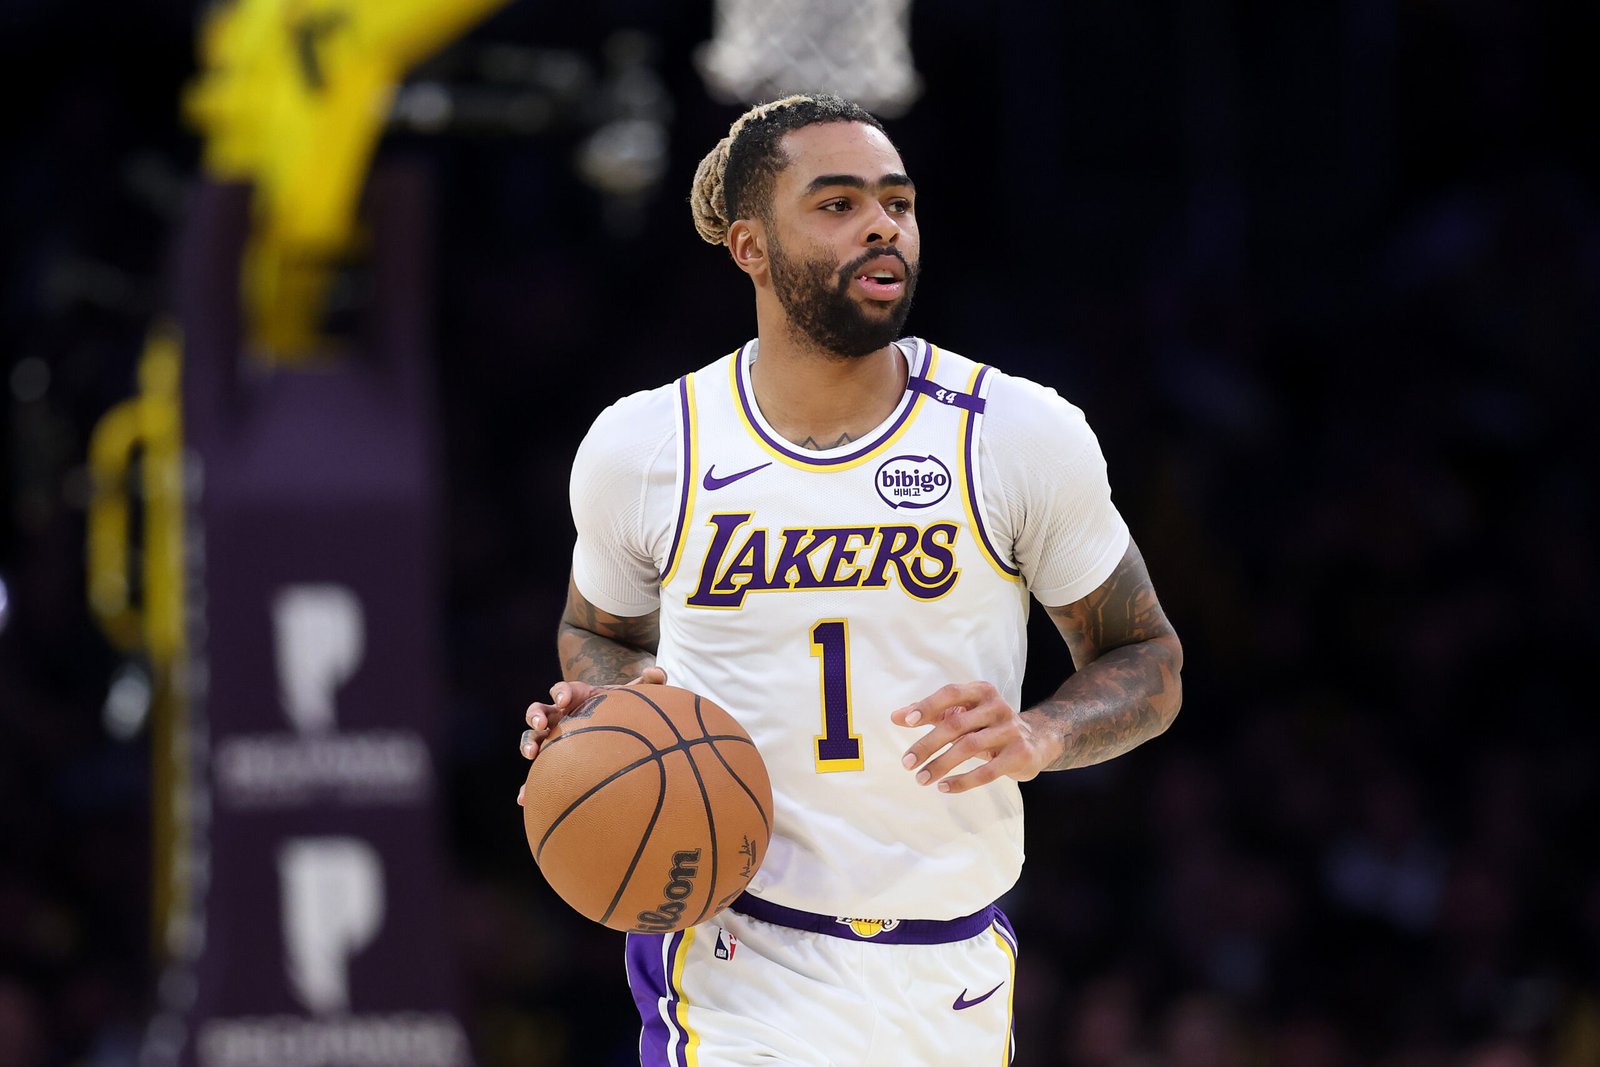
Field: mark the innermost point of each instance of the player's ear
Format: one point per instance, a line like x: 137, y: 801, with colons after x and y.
x: 747, y: 243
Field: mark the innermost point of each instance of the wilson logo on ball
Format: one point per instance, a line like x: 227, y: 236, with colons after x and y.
x: 680, y: 883
x: 912, y: 481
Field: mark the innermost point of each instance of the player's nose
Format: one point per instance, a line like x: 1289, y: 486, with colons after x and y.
x: 881, y: 227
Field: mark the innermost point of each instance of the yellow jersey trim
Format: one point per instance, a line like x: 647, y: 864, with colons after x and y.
x: 691, y: 464
x: 968, y: 461
x: 743, y: 405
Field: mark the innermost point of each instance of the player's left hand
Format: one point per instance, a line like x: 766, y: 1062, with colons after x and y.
x: 976, y: 723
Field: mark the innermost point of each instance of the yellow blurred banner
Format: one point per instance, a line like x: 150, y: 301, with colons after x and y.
x: 292, y: 98
x: 150, y: 426
x: 136, y: 591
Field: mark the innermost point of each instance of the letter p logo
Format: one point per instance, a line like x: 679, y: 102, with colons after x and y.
x: 332, y: 908
x: 321, y: 638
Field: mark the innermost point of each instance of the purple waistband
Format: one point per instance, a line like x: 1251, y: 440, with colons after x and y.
x: 881, y: 931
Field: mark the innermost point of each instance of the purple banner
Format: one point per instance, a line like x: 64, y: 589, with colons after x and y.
x: 310, y: 931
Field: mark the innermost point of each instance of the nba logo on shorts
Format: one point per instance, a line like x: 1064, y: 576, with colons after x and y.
x: 727, y: 944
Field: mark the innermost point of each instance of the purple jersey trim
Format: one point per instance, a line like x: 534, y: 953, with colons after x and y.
x: 965, y: 401
x: 904, y: 932
x: 970, y: 457
x: 687, y: 467
x: 650, y: 980
x: 810, y: 458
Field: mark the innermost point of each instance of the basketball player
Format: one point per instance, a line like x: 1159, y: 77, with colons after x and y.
x: 834, y: 533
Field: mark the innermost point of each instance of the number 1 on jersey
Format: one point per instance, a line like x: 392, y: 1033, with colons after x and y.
x: 837, y: 749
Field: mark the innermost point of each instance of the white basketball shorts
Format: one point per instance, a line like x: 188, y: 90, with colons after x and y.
x: 764, y: 984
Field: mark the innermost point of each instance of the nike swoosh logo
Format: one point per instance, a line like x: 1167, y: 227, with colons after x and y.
x: 962, y: 1002
x: 713, y: 482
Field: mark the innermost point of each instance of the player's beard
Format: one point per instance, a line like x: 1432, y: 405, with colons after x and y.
x: 816, y: 297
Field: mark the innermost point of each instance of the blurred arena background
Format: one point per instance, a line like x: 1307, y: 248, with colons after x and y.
x: 1325, y: 277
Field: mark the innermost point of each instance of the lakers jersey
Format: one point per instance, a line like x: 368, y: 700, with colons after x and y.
x: 811, y: 593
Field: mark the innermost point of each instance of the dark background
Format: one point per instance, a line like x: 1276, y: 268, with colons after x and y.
x: 1325, y: 278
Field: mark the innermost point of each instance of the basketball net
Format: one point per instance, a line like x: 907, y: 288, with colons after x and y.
x: 761, y: 50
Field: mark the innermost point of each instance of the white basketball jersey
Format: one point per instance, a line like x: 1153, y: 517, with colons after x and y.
x: 811, y: 593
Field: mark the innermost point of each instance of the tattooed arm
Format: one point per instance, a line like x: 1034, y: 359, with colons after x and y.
x: 604, y: 649
x: 596, y: 649
x: 1127, y: 687
x: 1126, y: 690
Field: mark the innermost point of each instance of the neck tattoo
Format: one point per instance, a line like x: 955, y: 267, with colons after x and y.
x: 817, y: 446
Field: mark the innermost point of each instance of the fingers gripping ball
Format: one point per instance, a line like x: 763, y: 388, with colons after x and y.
x: 648, y: 808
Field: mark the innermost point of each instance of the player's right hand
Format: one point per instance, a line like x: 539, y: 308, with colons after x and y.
x: 564, y: 696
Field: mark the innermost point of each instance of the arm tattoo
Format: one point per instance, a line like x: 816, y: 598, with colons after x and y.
x: 604, y: 649
x: 1127, y: 687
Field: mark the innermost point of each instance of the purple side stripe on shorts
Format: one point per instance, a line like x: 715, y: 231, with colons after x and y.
x: 1003, y: 927
x: 904, y: 932
x: 650, y: 979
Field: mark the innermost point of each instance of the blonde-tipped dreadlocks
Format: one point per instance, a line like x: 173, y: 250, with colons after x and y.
x: 735, y: 179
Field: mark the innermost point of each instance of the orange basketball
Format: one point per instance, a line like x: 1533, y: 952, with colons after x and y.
x: 648, y: 808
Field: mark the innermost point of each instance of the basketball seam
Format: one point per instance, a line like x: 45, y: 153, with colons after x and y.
x: 596, y: 787
x: 680, y: 744
x: 735, y: 776
x: 644, y: 839
x: 726, y: 766
x: 705, y: 800
x: 664, y: 716
x: 655, y: 752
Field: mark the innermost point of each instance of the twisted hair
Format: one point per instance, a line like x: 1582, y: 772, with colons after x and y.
x: 736, y: 178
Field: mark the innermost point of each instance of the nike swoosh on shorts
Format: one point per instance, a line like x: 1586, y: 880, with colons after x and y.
x: 962, y: 1001
x: 713, y: 482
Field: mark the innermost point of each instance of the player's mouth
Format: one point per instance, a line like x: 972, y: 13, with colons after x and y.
x: 881, y: 278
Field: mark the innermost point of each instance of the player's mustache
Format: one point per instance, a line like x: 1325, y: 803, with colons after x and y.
x: 847, y: 272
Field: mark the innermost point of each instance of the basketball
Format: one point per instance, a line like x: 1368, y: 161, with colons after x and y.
x: 648, y: 808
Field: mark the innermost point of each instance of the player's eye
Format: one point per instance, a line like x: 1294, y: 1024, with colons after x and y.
x: 836, y: 205
x: 900, y: 206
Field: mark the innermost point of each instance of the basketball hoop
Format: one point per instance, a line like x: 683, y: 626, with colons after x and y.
x: 761, y: 50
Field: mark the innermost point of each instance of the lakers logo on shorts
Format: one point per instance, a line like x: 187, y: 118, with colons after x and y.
x: 869, y: 927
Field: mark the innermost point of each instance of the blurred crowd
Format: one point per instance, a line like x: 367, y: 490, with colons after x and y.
x: 1327, y: 284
